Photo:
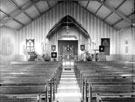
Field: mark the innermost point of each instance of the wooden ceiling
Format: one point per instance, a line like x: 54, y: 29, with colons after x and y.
x: 18, y: 13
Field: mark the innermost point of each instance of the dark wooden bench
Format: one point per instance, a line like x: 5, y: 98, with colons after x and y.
x: 98, y: 77
x: 15, y: 99
x: 30, y: 78
x: 115, y: 98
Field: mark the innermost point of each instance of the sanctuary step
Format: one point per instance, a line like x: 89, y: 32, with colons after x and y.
x: 68, y: 89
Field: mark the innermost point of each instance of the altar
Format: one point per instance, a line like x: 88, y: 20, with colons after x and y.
x: 68, y: 52
x: 67, y: 49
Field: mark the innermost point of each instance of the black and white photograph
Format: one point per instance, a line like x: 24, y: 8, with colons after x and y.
x: 67, y: 50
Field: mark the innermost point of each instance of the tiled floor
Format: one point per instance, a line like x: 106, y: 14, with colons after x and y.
x: 68, y: 89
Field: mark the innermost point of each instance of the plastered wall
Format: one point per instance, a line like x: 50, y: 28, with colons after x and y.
x: 39, y: 28
x: 127, y: 44
x: 8, y: 44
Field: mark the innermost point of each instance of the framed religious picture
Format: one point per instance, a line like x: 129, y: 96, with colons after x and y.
x: 53, y: 47
x: 54, y: 54
x: 101, y: 48
x: 106, y: 43
x: 82, y: 47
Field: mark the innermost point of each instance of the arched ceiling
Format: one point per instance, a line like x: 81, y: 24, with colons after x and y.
x: 18, y: 13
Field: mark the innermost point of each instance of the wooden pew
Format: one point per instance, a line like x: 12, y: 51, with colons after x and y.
x: 30, y: 78
x: 15, y: 99
x: 104, y: 78
x: 115, y: 98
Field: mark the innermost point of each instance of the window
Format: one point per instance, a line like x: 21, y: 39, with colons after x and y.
x: 30, y: 45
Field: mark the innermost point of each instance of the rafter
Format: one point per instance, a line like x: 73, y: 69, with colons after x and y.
x: 3, y: 12
x: 36, y: 7
x: 115, y: 9
x: 116, y: 12
x: 121, y: 20
x: 40, y: 15
x: 13, y: 19
x: 98, y: 9
x: 20, y: 8
x: 18, y: 11
x: 48, y: 3
x: 117, y: 22
x: 97, y: 17
x: 87, y: 4
x: 19, y: 22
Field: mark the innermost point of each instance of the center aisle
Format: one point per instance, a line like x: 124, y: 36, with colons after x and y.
x: 68, y: 89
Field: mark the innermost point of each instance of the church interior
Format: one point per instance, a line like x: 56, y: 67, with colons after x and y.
x: 67, y: 51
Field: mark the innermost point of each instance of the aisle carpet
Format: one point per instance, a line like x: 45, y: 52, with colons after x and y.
x: 68, y: 89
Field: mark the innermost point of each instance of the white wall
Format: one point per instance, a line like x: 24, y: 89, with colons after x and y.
x: 127, y: 41
x: 39, y: 28
x: 8, y: 44
x: 59, y: 35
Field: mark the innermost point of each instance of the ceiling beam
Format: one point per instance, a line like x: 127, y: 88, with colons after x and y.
x: 97, y: 17
x: 7, y: 15
x: 98, y: 9
x: 87, y: 4
x: 121, y: 20
x: 36, y: 7
x: 3, y: 12
x: 18, y: 11
x: 116, y: 12
x: 19, y: 22
x: 117, y: 22
x: 115, y: 9
x: 48, y: 4
x: 40, y: 15
x: 19, y: 8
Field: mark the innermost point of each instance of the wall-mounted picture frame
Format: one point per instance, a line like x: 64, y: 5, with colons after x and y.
x: 53, y: 47
x: 54, y: 54
x: 101, y: 48
x: 106, y: 43
x: 82, y: 47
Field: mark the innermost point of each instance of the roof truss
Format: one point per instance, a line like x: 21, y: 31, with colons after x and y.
x: 116, y: 12
x: 19, y: 11
x: 26, y: 6
x: 115, y: 9
x: 13, y: 18
x: 36, y: 6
